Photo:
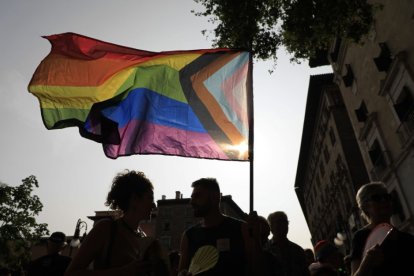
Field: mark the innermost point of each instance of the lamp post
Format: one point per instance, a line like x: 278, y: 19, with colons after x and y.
x: 76, y: 240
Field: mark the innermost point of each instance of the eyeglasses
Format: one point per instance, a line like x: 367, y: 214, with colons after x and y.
x: 380, y: 198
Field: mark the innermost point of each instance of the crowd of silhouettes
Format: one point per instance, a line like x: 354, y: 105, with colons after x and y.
x: 228, y: 245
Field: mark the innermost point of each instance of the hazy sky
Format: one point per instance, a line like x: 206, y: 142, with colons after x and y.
x: 73, y: 172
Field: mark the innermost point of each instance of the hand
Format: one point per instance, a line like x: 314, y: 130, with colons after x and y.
x: 373, y: 257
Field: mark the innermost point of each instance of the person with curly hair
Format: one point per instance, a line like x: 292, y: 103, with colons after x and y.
x: 119, y: 246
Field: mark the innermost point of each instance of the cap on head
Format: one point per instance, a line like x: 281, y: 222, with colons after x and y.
x: 324, y: 249
x: 57, y: 237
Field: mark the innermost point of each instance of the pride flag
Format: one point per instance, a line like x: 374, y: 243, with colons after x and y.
x: 183, y: 103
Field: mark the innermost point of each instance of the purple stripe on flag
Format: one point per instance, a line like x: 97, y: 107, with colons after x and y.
x: 147, y: 138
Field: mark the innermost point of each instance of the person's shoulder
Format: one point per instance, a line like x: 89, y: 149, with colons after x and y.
x: 405, y: 234
x: 406, y: 237
x: 105, y: 223
x: 365, y: 229
x: 63, y: 260
x: 39, y: 260
x: 193, y: 227
x: 296, y: 246
x: 102, y: 228
x: 362, y: 233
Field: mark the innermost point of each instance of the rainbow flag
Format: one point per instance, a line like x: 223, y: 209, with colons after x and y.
x: 183, y: 103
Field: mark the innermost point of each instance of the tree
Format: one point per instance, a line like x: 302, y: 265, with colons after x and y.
x: 304, y: 27
x: 18, y: 226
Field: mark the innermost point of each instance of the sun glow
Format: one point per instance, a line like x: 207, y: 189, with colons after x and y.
x: 242, y: 149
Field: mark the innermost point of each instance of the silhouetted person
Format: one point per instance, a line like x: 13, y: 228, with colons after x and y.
x: 52, y: 264
x: 223, y: 232
x: 310, y: 257
x: 264, y: 262
x: 120, y: 247
x: 329, y: 261
x: 174, y: 258
x: 395, y: 255
x: 290, y: 255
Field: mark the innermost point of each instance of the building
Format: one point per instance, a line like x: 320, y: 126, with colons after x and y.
x: 375, y: 80
x: 330, y: 167
x: 173, y: 216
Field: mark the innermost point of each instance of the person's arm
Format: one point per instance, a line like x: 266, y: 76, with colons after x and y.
x: 253, y: 247
x: 91, y: 247
x: 305, y: 267
x: 184, y: 258
x: 372, y: 258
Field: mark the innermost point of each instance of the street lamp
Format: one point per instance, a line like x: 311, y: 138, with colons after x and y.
x: 76, y: 240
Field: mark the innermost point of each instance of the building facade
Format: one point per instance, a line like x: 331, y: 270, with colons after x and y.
x: 375, y: 82
x: 330, y: 167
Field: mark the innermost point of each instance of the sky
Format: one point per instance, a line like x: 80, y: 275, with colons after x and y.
x: 73, y: 173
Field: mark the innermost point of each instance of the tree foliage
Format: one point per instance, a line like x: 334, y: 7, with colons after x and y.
x: 245, y: 24
x: 18, y: 226
x: 302, y: 26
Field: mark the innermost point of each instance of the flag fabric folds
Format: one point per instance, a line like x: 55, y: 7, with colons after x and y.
x: 184, y: 103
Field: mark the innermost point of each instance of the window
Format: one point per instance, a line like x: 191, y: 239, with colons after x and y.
x: 317, y: 182
x: 332, y: 136
x: 376, y: 155
x: 405, y: 105
x: 166, y: 226
x: 326, y: 154
x: 339, y: 164
x: 322, y: 169
x: 332, y: 178
x: 362, y: 112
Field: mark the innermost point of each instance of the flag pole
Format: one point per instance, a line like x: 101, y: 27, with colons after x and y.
x: 251, y: 129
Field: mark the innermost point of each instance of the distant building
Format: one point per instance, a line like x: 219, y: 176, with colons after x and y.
x: 173, y: 216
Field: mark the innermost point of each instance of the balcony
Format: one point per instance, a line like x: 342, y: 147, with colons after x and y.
x: 349, y: 77
x: 384, y: 60
x: 337, y: 54
x: 405, y: 131
x: 380, y: 163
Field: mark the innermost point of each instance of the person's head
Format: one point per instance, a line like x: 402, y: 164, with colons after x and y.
x: 374, y: 201
x: 131, y: 191
x: 327, y: 253
x: 205, y: 197
x: 264, y: 228
x: 56, y: 242
x: 279, y: 224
